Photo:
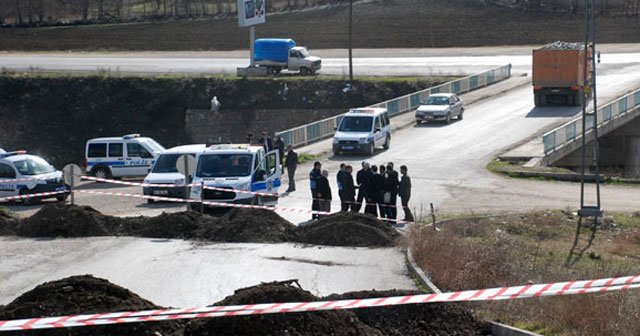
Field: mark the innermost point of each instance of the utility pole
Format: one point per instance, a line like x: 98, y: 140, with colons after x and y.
x: 350, y: 41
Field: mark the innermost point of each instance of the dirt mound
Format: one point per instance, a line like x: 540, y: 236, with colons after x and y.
x: 179, y: 225
x: 247, y: 226
x: 416, y: 320
x: 84, y: 295
x: 65, y: 220
x: 8, y: 223
x: 348, y: 229
x: 313, y: 323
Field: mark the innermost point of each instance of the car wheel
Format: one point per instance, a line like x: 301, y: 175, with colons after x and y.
x: 101, y: 172
x: 28, y: 201
x: 387, y: 142
x: 418, y: 122
x: 150, y: 201
x: 460, y: 116
x: 62, y: 198
x: 304, y: 71
x: 371, y: 149
x: 448, y: 121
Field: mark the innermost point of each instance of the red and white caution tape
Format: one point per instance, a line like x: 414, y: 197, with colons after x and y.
x: 492, y: 294
x: 17, y: 180
x: 104, y: 180
x: 44, y: 194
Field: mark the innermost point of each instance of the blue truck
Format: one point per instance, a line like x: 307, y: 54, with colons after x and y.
x: 278, y: 54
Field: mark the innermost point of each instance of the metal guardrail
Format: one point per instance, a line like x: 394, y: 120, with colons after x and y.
x: 572, y: 130
x: 319, y: 130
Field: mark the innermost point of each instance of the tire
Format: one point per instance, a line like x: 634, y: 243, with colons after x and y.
x: 101, y: 172
x: 460, y: 116
x: 387, y: 142
x: 257, y: 200
x: 371, y: 149
x: 305, y: 71
x: 448, y: 120
x: 62, y: 198
x: 418, y: 122
x: 28, y: 201
x: 150, y: 201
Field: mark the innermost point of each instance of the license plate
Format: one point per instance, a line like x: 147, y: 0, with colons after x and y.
x: 347, y: 147
x: 161, y: 192
x: 60, y: 189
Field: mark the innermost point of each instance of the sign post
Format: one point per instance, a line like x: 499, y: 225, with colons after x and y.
x: 250, y: 14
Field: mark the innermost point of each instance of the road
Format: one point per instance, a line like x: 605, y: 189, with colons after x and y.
x: 367, y: 62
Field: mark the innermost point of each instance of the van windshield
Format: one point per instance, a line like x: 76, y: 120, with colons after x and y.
x: 224, y: 165
x: 167, y: 163
x: 153, y: 145
x: 437, y: 101
x: 34, y: 166
x: 356, y: 124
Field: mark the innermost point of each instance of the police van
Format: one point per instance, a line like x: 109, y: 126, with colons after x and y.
x: 129, y: 155
x: 22, y: 174
x: 165, y: 172
x: 237, y: 168
x: 362, y: 130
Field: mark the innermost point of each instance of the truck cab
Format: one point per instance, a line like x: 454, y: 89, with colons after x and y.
x: 239, y: 168
x: 300, y: 60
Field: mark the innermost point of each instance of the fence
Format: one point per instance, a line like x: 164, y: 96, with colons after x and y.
x: 319, y: 130
x: 572, y: 131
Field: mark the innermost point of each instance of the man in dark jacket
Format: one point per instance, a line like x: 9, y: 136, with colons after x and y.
x: 266, y: 142
x: 324, y: 192
x: 361, y: 186
x: 404, y: 190
x: 279, y: 145
x: 291, y: 163
x: 313, y: 182
x: 382, y: 204
x: 393, y: 183
x: 374, y: 191
x: 348, y: 190
x: 339, y: 177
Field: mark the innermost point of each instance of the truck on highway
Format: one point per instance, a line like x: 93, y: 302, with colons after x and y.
x: 278, y: 54
x: 558, y: 74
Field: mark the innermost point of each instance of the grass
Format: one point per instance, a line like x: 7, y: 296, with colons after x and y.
x: 305, y: 157
x: 514, y: 249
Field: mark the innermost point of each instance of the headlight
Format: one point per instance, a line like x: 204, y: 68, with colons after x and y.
x: 146, y: 182
x: 363, y: 140
x: 245, y: 186
x: 179, y: 181
x: 336, y: 140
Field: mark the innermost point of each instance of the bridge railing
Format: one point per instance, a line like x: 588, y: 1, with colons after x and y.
x: 572, y: 130
x: 322, y: 129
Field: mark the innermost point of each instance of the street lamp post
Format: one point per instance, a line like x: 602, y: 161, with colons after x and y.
x: 350, y: 39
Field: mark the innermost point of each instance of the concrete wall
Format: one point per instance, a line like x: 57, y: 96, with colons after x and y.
x: 233, y: 125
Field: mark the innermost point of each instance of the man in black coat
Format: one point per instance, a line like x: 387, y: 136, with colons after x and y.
x: 361, y: 185
x: 314, y: 175
x: 339, y: 178
x: 392, y: 185
x: 291, y: 163
x: 405, y: 194
x: 348, y: 190
x: 374, y: 191
x: 279, y: 145
x: 266, y: 142
x: 323, y: 191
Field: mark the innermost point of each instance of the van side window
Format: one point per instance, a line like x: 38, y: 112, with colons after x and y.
x: 97, y: 150
x: 115, y: 150
x: 6, y: 171
x: 386, y: 119
x: 378, y: 126
x: 136, y: 150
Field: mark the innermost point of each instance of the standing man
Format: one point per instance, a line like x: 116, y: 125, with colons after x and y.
x: 280, y: 147
x: 266, y: 142
x: 393, y: 183
x: 324, y: 192
x: 339, y: 177
x: 360, y: 185
x: 250, y: 138
x: 374, y: 192
x: 386, y: 195
x: 348, y: 190
x: 313, y: 183
x: 405, y: 194
x: 292, y: 164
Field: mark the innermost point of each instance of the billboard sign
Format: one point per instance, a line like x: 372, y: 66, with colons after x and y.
x: 251, y: 12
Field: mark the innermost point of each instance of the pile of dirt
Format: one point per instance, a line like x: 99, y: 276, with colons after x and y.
x: 418, y: 320
x: 84, y: 295
x: 313, y: 323
x: 246, y: 226
x: 8, y: 223
x: 348, y: 229
x: 65, y: 220
x: 178, y: 225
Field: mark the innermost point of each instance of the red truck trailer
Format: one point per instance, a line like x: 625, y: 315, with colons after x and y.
x: 558, y: 74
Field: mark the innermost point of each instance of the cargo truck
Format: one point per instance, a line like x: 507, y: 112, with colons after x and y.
x: 279, y: 54
x: 558, y: 74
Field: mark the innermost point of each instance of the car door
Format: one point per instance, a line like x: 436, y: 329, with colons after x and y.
x: 138, y: 159
x: 378, y: 135
x: 273, y: 176
x: 457, y: 105
x: 7, y: 188
x: 115, y: 153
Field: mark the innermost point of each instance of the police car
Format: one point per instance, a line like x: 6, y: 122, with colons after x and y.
x: 129, y: 155
x: 237, y: 168
x: 22, y: 174
x: 165, y: 172
x: 362, y: 130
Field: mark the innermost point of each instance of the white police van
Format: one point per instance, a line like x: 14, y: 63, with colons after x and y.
x: 165, y: 171
x: 129, y: 155
x: 22, y: 174
x: 362, y: 130
x: 237, y: 168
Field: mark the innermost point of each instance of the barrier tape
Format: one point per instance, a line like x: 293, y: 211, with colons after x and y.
x: 492, y: 294
x: 104, y: 180
x: 17, y: 197
x: 19, y: 180
x: 222, y: 204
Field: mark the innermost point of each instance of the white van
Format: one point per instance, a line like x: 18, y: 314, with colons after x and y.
x: 362, y: 130
x: 237, y: 167
x: 22, y: 174
x: 129, y: 155
x: 165, y: 171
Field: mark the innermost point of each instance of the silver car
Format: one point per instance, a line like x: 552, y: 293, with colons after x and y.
x: 440, y: 106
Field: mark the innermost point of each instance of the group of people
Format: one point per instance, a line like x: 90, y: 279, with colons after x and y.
x: 268, y: 143
x: 375, y: 187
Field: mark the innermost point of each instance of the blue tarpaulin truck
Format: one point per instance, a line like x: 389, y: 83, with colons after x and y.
x: 278, y: 54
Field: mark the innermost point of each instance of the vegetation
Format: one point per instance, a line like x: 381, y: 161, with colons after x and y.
x: 515, y: 249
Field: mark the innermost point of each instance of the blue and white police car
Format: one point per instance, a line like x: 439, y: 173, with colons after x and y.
x: 22, y: 174
x: 128, y: 155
